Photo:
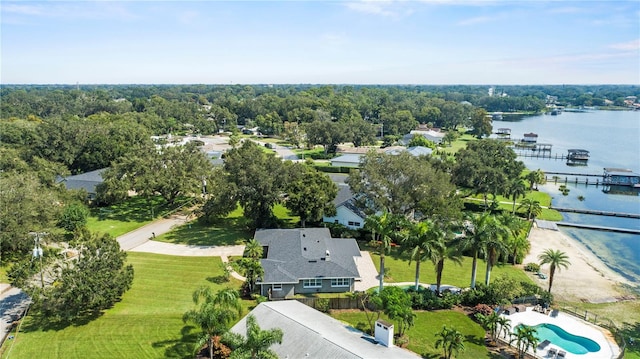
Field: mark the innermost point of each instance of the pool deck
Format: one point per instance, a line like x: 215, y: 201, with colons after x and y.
x: 608, y: 347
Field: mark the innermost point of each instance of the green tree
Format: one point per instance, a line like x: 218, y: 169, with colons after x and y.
x: 482, y: 234
x: 424, y: 241
x: 328, y: 134
x: 381, y: 227
x: 310, y: 193
x: 396, y: 304
x: 531, y: 207
x: 253, y: 249
x: 495, y: 244
x: 517, y: 243
x: 214, y: 315
x: 515, y: 189
x: 259, y: 181
x: 481, y: 123
x: 504, y: 326
x: 450, y: 137
x: 486, y: 166
x: 404, y: 185
x: 449, y: 251
x: 535, y: 178
x: 418, y: 140
x: 82, y: 286
x: 556, y: 260
x: 451, y: 341
x: 257, y: 342
x: 361, y: 132
x: 525, y: 339
x: 251, y: 269
x: 74, y: 216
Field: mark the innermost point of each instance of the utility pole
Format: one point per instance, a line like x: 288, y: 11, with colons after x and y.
x: 37, y: 252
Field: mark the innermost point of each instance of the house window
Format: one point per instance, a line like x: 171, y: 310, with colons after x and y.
x: 276, y: 286
x: 340, y: 282
x: 354, y: 224
x: 312, y: 283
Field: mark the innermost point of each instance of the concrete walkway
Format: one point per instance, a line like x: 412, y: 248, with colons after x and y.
x: 13, y: 303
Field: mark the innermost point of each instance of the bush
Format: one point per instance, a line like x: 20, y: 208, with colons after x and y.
x: 322, y: 304
x: 532, y: 267
x: 424, y: 299
x: 482, y: 309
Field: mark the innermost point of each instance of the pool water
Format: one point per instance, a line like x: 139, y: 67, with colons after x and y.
x: 572, y: 343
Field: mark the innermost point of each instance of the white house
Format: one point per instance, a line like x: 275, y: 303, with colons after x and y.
x: 347, y: 160
x: 347, y: 214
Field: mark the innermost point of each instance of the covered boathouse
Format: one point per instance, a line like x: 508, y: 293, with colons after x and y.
x: 621, y: 177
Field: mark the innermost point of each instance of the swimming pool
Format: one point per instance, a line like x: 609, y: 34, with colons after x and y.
x: 572, y: 343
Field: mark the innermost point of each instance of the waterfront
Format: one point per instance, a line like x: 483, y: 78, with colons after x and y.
x: 613, y: 139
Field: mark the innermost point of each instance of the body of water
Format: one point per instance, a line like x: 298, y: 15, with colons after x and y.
x: 613, y: 140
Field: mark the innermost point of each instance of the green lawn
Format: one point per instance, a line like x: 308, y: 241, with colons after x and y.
x: 453, y: 274
x: 147, y: 323
x: 119, y: 219
x: 230, y: 230
x: 422, y: 336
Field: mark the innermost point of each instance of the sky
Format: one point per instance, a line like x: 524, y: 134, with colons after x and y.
x: 320, y: 42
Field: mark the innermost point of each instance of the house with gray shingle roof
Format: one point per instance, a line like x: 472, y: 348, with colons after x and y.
x: 306, y: 260
x: 87, y: 181
x: 347, y: 213
x: 308, y: 333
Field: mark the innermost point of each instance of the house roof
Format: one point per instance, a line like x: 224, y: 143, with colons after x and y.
x: 348, y: 158
x: 344, y: 194
x: 301, y: 253
x: 308, y: 333
x: 87, y: 181
x: 419, y: 151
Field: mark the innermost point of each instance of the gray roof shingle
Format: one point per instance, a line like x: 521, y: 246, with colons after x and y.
x: 304, y: 253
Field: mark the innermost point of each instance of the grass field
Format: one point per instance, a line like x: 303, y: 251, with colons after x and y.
x: 230, y: 230
x: 422, y: 336
x: 399, y: 270
x: 147, y: 323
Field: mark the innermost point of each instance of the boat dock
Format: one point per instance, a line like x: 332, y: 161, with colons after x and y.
x: 597, y: 213
x: 600, y: 228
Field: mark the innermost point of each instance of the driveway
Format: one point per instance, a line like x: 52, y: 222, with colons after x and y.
x: 13, y: 303
x: 188, y: 250
x: 367, y: 271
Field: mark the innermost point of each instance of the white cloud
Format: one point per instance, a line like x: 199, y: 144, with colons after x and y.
x: 633, y: 45
x: 372, y: 7
x: 79, y: 10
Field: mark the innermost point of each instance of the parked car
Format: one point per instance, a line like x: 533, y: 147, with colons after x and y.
x: 542, y: 275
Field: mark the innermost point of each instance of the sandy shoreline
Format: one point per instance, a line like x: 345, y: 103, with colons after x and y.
x: 587, y: 279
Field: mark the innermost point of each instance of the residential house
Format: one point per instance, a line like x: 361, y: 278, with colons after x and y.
x: 87, y: 181
x: 306, y: 260
x: 308, y: 333
x: 347, y: 160
x: 347, y: 213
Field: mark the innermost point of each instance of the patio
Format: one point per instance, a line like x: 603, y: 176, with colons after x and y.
x: 608, y: 347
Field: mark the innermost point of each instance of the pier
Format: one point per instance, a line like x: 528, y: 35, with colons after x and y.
x: 599, y: 228
x: 597, y: 213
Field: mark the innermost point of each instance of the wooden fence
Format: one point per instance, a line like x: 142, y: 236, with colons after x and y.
x: 322, y: 304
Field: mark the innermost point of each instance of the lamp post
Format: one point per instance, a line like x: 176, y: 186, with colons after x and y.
x: 37, y: 252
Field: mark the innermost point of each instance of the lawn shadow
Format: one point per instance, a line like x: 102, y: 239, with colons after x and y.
x: 431, y: 356
x: 179, y: 348
x: 137, y: 209
x: 474, y: 339
x: 39, y: 322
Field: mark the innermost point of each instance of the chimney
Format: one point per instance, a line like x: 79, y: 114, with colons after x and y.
x: 384, y: 333
x: 326, y: 255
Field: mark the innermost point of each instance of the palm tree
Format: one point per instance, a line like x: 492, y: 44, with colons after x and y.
x: 423, y: 240
x: 451, y: 340
x: 215, y: 314
x: 450, y: 251
x: 517, y: 244
x: 257, y: 342
x: 525, y: 338
x: 504, y: 324
x: 489, y: 323
x: 515, y: 189
x: 536, y: 177
x: 556, y: 259
x: 252, y: 270
x: 483, y: 235
x: 380, y: 227
x: 253, y: 249
x: 532, y: 207
x: 495, y: 245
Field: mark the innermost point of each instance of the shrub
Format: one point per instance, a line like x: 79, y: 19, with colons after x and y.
x: 322, y: 304
x: 482, y: 309
x: 532, y: 267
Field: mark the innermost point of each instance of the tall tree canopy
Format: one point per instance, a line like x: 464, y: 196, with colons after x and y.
x: 403, y: 185
x: 310, y: 193
x: 487, y: 166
